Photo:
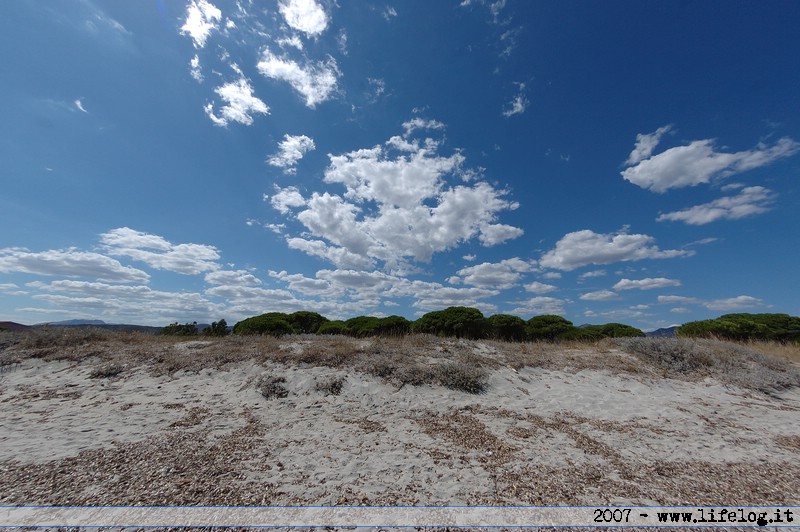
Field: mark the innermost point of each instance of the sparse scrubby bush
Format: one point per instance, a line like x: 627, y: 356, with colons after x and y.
x: 461, y: 322
x: 779, y: 327
x: 176, y: 329
x: 463, y: 375
x: 272, y: 387
x: 217, y: 328
x: 730, y: 363
x: 330, y: 385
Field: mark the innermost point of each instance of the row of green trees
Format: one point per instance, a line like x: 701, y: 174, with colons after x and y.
x: 460, y: 322
x: 776, y: 327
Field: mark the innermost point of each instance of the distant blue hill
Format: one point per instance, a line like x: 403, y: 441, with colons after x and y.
x: 75, y: 322
x: 667, y: 332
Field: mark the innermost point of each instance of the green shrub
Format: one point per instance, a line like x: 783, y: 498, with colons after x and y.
x: 332, y: 327
x: 306, y: 322
x: 361, y: 326
x: 506, y: 327
x: 272, y: 323
x: 778, y: 327
x: 461, y: 322
x: 547, y: 327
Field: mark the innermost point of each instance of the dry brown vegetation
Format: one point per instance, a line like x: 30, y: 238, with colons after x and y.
x: 416, y: 359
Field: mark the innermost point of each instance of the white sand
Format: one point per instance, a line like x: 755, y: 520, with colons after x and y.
x: 605, y: 434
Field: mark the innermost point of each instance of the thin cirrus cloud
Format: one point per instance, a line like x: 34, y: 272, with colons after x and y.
x: 748, y: 202
x: 290, y: 150
x: 582, y: 248
x: 697, y: 163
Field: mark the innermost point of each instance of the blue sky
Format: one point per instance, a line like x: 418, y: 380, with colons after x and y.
x: 629, y: 161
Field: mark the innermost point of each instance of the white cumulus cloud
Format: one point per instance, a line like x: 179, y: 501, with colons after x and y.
x: 748, y: 202
x: 68, y: 263
x: 397, y: 204
x: 304, y: 15
x: 316, y: 81
x: 290, y: 150
x: 600, y: 295
x: 158, y: 253
x: 540, y: 288
x: 286, y: 199
x: 696, y: 163
x: 585, y: 247
x: 501, y: 275
x: 202, y: 17
x: 240, y: 104
x: 645, y: 144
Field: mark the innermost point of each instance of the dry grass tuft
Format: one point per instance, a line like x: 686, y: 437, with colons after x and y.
x: 730, y: 363
x: 106, y: 371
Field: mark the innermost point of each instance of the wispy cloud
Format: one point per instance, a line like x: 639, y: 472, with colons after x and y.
x: 646, y: 284
x: 389, y: 13
x: 79, y: 104
x: 519, y: 104
x: 290, y: 150
x: 727, y: 304
x: 696, y: 163
x: 582, y: 248
x: 195, y: 69
x: 748, y: 202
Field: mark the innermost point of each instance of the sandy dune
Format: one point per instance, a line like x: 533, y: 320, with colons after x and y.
x: 535, y: 436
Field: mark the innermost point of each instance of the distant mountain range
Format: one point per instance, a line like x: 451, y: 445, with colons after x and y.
x: 100, y: 324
